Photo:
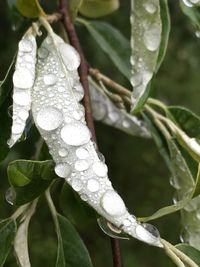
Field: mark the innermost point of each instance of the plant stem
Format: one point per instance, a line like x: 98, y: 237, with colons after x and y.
x: 83, y: 69
x: 83, y: 73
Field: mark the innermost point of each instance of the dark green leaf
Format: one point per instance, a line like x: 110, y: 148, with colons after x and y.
x: 190, y: 251
x: 29, y: 179
x: 166, y: 25
x: 72, y: 251
x: 30, y: 9
x: 98, y: 8
x: 112, y: 42
x: 186, y: 119
x: 8, y: 229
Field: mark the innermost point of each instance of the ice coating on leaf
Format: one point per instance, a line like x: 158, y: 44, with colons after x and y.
x: 104, y: 110
x: 145, y: 41
x: 23, y: 79
x: 69, y: 140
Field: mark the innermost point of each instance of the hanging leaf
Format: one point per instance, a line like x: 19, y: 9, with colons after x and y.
x: 186, y: 119
x: 112, y: 42
x: 8, y: 229
x: 29, y: 179
x: 190, y: 251
x: 30, y: 9
x: 192, y: 12
x: 98, y: 8
x: 145, y: 44
x: 166, y: 25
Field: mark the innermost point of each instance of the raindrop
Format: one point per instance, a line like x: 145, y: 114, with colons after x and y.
x: 126, y: 124
x: 112, y: 203
x: 93, y: 185
x: 77, y: 184
x: 10, y: 196
x: 43, y: 52
x: 22, y: 98
x: 25, y: 45
x: 23, y: 79
x: 100, y: 169
x: 63, y: 152
x: 75, y: 134
x: 146, y: 235
x: 82, y: 153
x: 17, y: 128
x: 197, y: 33
x: 50, y: 79
x: 151, y: 229
x: 69, y: 56
x: 23, y: 115
x: 81, y: 165
x: 98, y: 110
x: 49, y: 118
x: 78, y: 92
x: 150, y: 7
x: 152, y: 37
x: 63, y: 170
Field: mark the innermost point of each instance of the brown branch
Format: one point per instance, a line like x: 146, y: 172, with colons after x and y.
x: 83, y: 73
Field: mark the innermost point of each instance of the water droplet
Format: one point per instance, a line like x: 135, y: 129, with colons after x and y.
x: 77, y: 184
x: 136, y: 79
x: 22, y: 98
x: 84, y: 197
x: 152, y: 37
x: 150, y: 7
x: 113, y: 116
x: 50, y: 79
x: 127, y: 223
x: 23, y: 115
x: 49, y: 118
x: 99, y: 110
x: 17, y: 128
x: 63, y: 170
x: 112, y: 203
x: 93, y: 185
x: 82, y: 153
x: 151, y: 229
x: 25, y: 45
x: 63, y: 152
x: 77, y: 115
x: 75, y: 134
x: 61, y: 89
x: 81, y: 165
x: 100, y: 169
x: 111, y: 230
x: 69, y: 56
x: 23, y: 79
x: 126, y: 124
x: 197, y: 33
x: 198, y: 215
x: 145, y: 235
x: 101, y: 156
x: 78, y: 92
x: 10, y: 196
x: 43, y: 52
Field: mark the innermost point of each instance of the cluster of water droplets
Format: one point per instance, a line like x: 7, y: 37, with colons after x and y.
x: 104, y: 110
x: 23, y: 80
x: 59, y: 116
x: 191, y: 3
x: 145, y: 42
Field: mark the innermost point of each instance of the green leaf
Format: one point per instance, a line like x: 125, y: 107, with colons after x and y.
x: 30, y: 9
x: 74, y: 6
x: 146, y: 27
x: 166, y: 25
x: 192, y: 13
x: 8, y: 229
x: 190, y: 251
x: 29, y: 179
x: 98, y: 8
x: 112, y: 42
x: 71, y: 246
x: 186, y: 119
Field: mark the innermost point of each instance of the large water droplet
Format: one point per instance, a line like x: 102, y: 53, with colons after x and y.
x: 152, y: 37
x: 78, y: 92
x: 147, y: 234
x: 81, y: 165
x: 10, y: 196
x: 151, y: 229
x: 25, y: 45
x: 112, y: 203
x: 100, y: 169
x: 23, y: 115
x: 150, y: 7
x: 77, y: 184
x: 43, y: 52
x: 63, y: 170
x: 49, y: 118
x: 50, y: 79
x: 82, y: 153
x: 23, y: 79
x: 70, y: 56
x: 22, y: 98
x: 99, y: 110
x: 17, y: 128
x: 75, y: 134
x: 63, y: 152
x: 93, y: 185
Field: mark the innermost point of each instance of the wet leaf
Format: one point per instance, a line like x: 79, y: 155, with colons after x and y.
x: 112, y: 42
x: 8, y: 229
x: 30, y: 9
x: 98, y: 8
x: 146, y: 27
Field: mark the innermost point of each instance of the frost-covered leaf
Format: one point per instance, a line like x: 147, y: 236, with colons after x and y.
x: 166, y: 25
x: 29, y: 179
x: 190, y: 251
x: 8, y: 229
x: 113, y: 43
x: 30, y: 8
x: 103, y: 109
x: 98, y: 8
x: 21, y: 238
x: 23, y: 80
x: 145, y: 43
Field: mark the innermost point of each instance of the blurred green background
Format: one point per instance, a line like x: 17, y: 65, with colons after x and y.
x: 135, y: 167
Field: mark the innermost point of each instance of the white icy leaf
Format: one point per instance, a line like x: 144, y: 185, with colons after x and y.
x: 145, y: 41
x: 60, y: 119
x: 104, y: 110
x: 23, y: 79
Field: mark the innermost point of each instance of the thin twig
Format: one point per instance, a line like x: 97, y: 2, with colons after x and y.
x: 83, y: 73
